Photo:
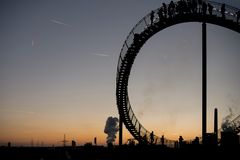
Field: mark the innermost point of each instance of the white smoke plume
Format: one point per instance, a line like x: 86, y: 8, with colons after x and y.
x: 111, y: 129
x: 227, y: 124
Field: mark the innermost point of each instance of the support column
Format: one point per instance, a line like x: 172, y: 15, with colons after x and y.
x: 120, y: 130
x: 204, y: 82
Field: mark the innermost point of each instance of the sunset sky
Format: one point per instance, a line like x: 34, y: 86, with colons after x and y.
x: 58, y: 61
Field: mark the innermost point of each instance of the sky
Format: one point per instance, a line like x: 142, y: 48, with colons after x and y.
x: 58, y: 63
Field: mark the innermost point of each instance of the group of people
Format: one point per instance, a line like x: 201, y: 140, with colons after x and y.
x: 151, y: 137
x: 162, y: 139
x: 185, y: 7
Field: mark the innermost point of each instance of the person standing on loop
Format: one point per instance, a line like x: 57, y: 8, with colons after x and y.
x: 204, y: 8
x: 210, y: 8
x: 200, y: 6
x: 223, y: 11
x: 238, y: 16
x: 164, y: 9
x: 152, y: 17
x: 160, y: 14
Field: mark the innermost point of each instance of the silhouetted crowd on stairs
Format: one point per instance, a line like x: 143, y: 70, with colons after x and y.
x: 187, y: 7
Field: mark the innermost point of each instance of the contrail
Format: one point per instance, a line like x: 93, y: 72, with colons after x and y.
x: 101, y: 55
x: 60, y: 23
x: 17, y: 111
x: 24, y: 112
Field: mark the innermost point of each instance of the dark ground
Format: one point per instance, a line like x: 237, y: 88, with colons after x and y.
x: 118, y: 153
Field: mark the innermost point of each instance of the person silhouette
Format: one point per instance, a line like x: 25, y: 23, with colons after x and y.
x: 210, y: 8
x: 164, y: 9
x: 152, y: 137
x: 238, y: 16
x: 152, y: 17
x: 204, y: 8
x: 171, y: 9
x: 223, y: 10
x: 194, y: 6
x: 180, y: 141
x: 196, y: 141
x: 200, y: 5
x: 162, y: 140
x: 160, y: 14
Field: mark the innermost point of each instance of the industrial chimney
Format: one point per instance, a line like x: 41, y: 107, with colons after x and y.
x: 216, y: 122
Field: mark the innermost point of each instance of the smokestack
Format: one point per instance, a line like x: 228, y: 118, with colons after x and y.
x: 216, y: 122
x: 95, y: 141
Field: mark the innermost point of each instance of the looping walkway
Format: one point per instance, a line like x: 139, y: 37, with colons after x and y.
x: 149, y: 25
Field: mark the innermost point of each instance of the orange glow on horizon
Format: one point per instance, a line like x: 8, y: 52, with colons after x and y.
x: 50, y: 138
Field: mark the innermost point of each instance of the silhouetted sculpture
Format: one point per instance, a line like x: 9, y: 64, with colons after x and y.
x: 210, y: 8
x: 151, y: 17
x: 162, y: 140
x: 168, y: 15
x: 152, y: 137
x: 223, y: 11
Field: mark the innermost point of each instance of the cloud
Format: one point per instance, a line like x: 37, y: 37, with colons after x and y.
x: 101, y: 55
x: 60, y: 23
